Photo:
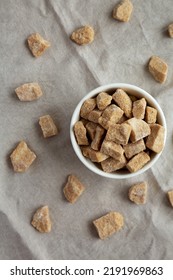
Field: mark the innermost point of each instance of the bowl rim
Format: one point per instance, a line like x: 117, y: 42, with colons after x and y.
x: 113, y: 86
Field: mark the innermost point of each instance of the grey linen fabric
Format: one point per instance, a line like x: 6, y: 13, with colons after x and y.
x: 67, y: 72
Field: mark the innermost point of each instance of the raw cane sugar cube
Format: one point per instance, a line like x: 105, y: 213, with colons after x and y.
x: 112, y: 149
x: 73, y: 189
x: 96, y: 143
x: 37, y: 44
x: 86, y: 150
x: 97, y: 156
x: 123, y: 11
x: 140, y: 129
x: 158, y: 69
x: 94, y: 115
x: 139, y: 107
x: 103, y: 100
x: 29, y: 92
x: 41, y: 220
x: 83, y: 35
x: 87, y: 107
x: 109, y: 224
x: 170, y: 197
x: 80, y: 133
x: 138, y: 193
x: 22, y: 157
x: 119, y: 133
x: 138, y: 161
x: 111, y: 115
x: 170, y: 30
x: 132, y: 149
x: 123, y: 101
x: 155, y: 140
x: 48, y: 126
x: 150, y: 115
x: 109, y: 165
x: 91, y: 129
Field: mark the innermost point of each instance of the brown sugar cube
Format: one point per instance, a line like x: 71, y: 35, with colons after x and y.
x: 138, y: 193
x: 37, y: 44
x: 139, y: 107
x: 73, y: 189
x: 48, y: 126
x: 109, y: 165
x: 158, y: 68
x: 97, y: 156
x: 91, y: 129
x: 123, y: 11
x: 112, y: 149
x: 170, y: 197
x: 140, y: 129
x: 41, y: 220
x: 138, y: 161
x: 94, y: 115
x: 83, y: 35
x: 123, y: 101
x: 155, y: 140
x: 80, y: 133
x: 150, y: 115
x: 111, y: 115
x: 132, y: 149
x: 170, y: 30
x: 86, y: 150
x: 119, y: 133
x: 28, y: 92
x: 96, y: 143
x: 22, y: 157
x: 103, y: 99
x: 109, y: 224
x: 87, y: 107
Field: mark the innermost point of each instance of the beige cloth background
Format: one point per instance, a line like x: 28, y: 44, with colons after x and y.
x: 66, y: 72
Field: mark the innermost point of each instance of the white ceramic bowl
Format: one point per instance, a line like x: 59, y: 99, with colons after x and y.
x: 131, y: 89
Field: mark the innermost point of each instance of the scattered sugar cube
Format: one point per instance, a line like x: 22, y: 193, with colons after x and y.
x: 41, y: 220
x: 22, y: 157
x: 83, y: 35
x: 37, y: 44
x: 170, y: 30
x: 29, y: 92
x: 48, y: 126
x: 109, y: 224
x: 170, y: 197
x: 73, y: 189
x: 123, y: 11
x: 138, y: 193
x: 158, y: 68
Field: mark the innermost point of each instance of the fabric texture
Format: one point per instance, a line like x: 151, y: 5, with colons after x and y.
x: 66, y: 72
